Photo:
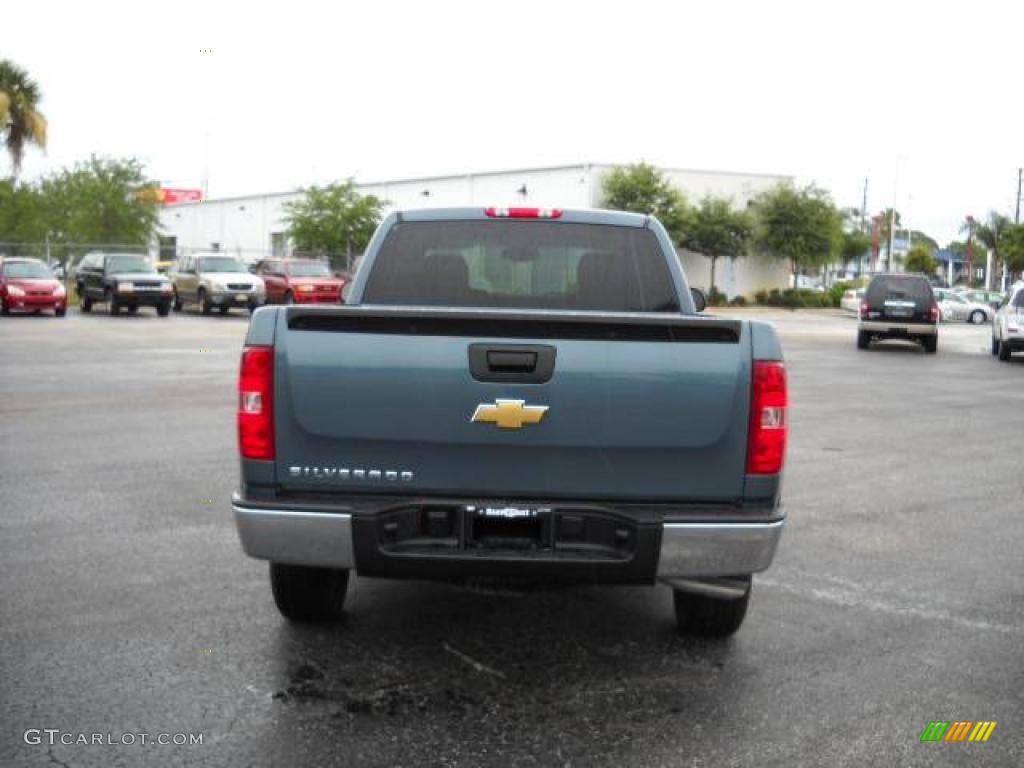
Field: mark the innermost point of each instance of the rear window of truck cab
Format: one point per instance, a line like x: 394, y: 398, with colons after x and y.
x: 522, y: 265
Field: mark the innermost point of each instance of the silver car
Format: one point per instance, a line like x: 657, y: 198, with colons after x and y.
x: 955, y: 308
x: 216, y: 281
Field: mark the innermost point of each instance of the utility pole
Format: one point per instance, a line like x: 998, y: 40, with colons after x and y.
x: 1020, y: 177
x: 863, y: 225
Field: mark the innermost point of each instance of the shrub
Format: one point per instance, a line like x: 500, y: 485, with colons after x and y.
x: 761, y: 297
x: 795, y: 298
x: 738, y: 301
x: 716, y: 298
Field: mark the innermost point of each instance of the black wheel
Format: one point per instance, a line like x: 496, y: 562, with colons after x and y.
x: 977, y: 317
x: 112, y: 306
x: 995, y: 346
x: 706, y: 616
x: 224, y: 310
x: 303, y: 593
x: 930, y: 344
x: 84, y: 303
x: 60, y: 312
x: 133, y: 309
x: 177, y: 301
x: 163, y: 308
x: 204, y: 303
x: 863, y: 339
x: 1004, y: 351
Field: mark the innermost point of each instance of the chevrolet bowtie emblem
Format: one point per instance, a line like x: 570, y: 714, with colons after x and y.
x: 509, y: 414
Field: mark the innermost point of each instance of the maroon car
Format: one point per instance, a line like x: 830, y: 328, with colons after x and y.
x: 299, y: 281
x: 28, y: 285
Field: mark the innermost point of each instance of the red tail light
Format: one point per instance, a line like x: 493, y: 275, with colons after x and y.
x: 524, y: 213
x: 863, y: 310
x: 933, y: 313
x: 256, y: 403
x: 769, y: 422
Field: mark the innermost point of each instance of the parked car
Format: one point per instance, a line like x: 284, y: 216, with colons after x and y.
x: 852, y: 299
x: 595, y: 427
x: 28, y: 285
x: 991, y: 298
x: 119, y: 280
x: 1008, y: 324
x: 299, y: 281
x: 899, y: 306
x: 216, y: 281
x: 955, y: 308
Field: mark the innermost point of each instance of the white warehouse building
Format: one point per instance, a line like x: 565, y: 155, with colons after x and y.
x: 252, y: 226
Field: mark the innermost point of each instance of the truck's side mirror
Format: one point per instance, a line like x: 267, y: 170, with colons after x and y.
x: 699, y: 300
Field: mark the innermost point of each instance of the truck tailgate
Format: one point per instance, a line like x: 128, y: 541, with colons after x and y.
x: 373, y: 400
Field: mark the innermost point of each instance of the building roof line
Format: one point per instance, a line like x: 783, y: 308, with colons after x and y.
x: 479, y: 174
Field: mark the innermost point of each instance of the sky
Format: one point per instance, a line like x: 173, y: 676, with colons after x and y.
x: 921, y: 99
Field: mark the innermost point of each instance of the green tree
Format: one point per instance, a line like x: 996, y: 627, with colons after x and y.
x: 333, y: 219
x: 642, y: 188
x: 920, y: 259
x: 854, y: 246
x: 22, y: 218
x: 716, y: 229
x: 801, y: 226
x: 917, y: 236
x: 1012, y: 243
x: 991, y: 233
x: 102, y: 200
x: 21, y: 122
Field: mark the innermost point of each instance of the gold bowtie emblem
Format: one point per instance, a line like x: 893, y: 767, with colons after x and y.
x: 509, y: 414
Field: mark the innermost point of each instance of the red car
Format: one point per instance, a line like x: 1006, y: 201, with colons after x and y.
x: 299, y: 281
x: 28, y: 285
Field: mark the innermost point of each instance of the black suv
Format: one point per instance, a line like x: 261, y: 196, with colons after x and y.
x: 122, y: 280
x: 899, y: 307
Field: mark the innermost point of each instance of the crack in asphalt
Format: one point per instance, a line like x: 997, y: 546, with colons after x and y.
x: 53, y: 758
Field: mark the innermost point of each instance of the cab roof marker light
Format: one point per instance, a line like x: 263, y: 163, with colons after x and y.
x: 523, y: 213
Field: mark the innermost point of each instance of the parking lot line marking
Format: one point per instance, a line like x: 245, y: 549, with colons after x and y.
x: 851, y: 599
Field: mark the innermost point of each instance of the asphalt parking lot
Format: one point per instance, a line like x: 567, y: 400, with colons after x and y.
x: 896, y: 598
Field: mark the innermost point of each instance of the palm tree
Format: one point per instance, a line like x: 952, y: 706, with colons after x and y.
x: 21, y: 122
x: 992, y: 232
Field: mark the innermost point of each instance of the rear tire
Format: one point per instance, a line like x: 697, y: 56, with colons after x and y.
x: 863, y: 339
x: 204, y: 303
x: 307, y: 594
x: 60, y: 312
x: 705, y: 616
x: 224, y: 310
x: 977, y: 317
x: 85, y: 303
x: 1004, y: 351
x: 995, y: 346
x: 112, y: 306
x: 930, y: 344
x: 177, y: 302
x: 163, y: 309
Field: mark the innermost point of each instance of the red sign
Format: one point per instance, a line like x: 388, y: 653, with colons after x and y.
x: 180, y: 195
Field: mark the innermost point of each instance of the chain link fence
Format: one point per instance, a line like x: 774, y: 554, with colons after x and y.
x: 63, y: 257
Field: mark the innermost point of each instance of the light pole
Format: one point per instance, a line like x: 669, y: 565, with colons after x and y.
x: 970, y: 249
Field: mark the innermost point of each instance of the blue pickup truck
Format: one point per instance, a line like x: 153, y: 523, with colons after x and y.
x: 515, y: 394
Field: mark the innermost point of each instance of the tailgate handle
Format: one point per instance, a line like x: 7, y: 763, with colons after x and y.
x: 511, y: 362
x: 521, y: 363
